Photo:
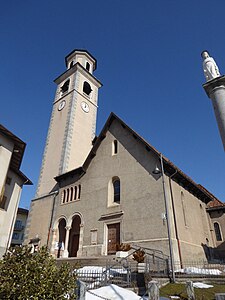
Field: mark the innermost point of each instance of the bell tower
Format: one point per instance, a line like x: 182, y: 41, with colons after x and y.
x: 73, y: 120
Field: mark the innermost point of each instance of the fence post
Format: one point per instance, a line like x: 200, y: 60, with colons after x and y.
x: 82, y: 290
x: 153, y: 290
x: 190, y: 290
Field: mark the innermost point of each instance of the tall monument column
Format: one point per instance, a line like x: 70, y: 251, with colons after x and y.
x: 215, y: 89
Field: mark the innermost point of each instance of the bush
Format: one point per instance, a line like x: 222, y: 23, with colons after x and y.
x: 25, y: 276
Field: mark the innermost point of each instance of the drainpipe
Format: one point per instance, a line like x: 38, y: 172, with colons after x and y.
x: 175, y: 221
x: 52, y: 213
x: 167, y: 218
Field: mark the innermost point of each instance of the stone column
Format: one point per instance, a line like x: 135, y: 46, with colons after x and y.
x: 81, y: 237
x: 66, y: 252
x: 215, y: 90
x: 54, y: 235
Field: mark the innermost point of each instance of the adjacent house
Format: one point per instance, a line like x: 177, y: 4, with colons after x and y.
x: 19, y: 227
x: 11, y: 183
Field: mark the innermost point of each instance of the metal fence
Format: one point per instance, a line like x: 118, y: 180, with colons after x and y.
x: 199, y: 269
x: 123, y: 272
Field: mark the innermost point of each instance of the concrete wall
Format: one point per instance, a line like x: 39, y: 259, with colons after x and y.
x: 39, y: 219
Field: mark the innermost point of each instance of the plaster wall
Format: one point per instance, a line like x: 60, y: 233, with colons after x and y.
x: 39, y: 219
x: 8, y: 215
x: 193, y: 224
x: 6, y: 149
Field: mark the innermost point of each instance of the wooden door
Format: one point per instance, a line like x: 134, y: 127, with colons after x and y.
x: 113, y: 237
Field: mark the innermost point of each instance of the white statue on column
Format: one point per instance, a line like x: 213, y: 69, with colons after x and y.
x: 210, y: 67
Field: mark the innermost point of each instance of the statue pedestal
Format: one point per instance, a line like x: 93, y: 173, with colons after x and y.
x: 215, y: 90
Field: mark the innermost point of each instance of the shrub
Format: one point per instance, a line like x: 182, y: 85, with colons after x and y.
x: 25, y: 276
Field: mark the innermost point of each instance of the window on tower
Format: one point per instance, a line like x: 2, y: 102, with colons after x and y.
x: 87, y: 66
x: 65, y: 86
x: 87, y: 88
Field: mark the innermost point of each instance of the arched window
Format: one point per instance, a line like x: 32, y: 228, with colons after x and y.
x: 115, y: 147
x: 71, y: 64
x: 116, y: 190
x: 87, y: 88
x: 79, y: 191
x: 87, y: 66
x: 71, y: 194
x: 68, y: 196
x: 63, y: 196
x: 217, y: 231
x: 75, y: 193
x: 65, y: 86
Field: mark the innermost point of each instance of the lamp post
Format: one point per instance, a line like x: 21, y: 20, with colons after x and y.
x: 158, y: 171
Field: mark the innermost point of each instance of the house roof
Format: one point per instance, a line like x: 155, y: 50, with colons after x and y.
x: 18, y: 152
x: 169, y: 168
x: 22, y: 211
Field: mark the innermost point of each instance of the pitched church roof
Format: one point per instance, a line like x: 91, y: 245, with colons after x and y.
x: 169, y: 168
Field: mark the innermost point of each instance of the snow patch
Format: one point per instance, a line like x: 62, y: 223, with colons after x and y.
x: 193, y: 270
x: 112, y: 292
x: 201, y: 285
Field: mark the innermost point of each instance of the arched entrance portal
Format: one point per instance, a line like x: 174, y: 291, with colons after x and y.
x: 62, y: 236
x: 74, y: 236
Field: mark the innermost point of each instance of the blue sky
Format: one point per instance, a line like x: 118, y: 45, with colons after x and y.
x: 149, y: 62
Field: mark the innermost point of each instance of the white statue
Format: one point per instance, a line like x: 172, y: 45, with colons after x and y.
x: 210, y: 67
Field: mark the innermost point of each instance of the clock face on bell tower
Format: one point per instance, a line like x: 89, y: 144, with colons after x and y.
x: 73, y: 120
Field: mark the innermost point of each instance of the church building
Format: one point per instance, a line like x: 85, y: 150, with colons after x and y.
x: 97, y: 192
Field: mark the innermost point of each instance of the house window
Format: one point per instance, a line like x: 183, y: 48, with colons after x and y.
x: 3, y: 200
x: 65, y: 87
x: 15, y: 236
x: 115, y: 147
x: 87, y: 66
x: 87, y: 88
x: 18, y: 225
x: 116, y: 190
x: 217, y: 231
x: 8, y: 180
